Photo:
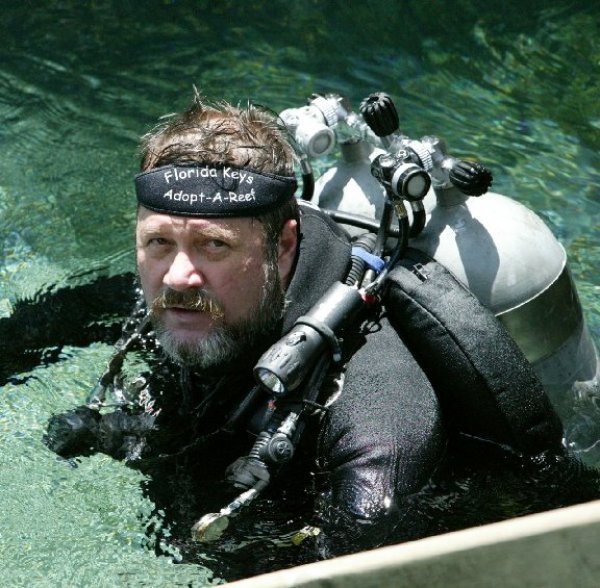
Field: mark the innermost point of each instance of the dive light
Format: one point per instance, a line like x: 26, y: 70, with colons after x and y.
x: 286, y: 364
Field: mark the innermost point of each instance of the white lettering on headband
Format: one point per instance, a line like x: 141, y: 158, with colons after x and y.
x: 205, y: 190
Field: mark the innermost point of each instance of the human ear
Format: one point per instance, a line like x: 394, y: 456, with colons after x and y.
x: 288, y: 243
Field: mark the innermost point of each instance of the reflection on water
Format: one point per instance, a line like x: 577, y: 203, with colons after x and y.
x: 514, y: 85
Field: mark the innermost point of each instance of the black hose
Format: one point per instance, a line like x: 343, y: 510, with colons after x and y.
x: 308, y: 179
x: 365, y: 241
x: 359, y: 221
x: 418, y: 218
x: 398, y: 252
x: 308, y: 186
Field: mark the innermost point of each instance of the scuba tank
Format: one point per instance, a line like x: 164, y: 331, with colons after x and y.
x: 498, y: 248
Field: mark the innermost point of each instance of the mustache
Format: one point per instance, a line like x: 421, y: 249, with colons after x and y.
x: 198, y: 300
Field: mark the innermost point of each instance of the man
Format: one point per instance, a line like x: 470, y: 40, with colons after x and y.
x: 214, y: 269
x: 228, y: 261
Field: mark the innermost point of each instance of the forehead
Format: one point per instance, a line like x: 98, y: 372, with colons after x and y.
x: 243, y: 227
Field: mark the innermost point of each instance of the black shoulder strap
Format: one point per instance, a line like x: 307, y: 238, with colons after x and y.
x: 484, y: 383
x: 323, y: 258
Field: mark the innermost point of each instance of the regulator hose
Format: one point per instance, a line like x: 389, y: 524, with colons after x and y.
x: 419, y: 217
x: 308, y: 178
x: 365, y: 241
x: 358, y: 220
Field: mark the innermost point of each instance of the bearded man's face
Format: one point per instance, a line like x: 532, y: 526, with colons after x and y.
x: 209, y: 283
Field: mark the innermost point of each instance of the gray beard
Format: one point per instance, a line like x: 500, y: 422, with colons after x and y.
x: 229, y: 343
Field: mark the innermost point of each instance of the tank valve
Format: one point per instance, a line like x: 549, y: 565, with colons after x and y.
x: 312, y: 125
x: 470, y: 177
x: 401, y: 176
x: 381, y: 115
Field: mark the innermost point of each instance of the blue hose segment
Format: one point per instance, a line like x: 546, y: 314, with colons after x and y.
x: 374, y: 262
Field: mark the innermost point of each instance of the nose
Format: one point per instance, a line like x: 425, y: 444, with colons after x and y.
x: 183, y: 273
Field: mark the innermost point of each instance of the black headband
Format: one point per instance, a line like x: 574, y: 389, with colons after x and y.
x: 206, y: 190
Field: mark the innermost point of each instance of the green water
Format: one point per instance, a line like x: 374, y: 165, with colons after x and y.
x: 514, y: 83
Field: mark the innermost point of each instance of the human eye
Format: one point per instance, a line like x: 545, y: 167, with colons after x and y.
x: 215, y: 248
x: 156, y: 244
x: 216, y: 244
x: 157, y: 241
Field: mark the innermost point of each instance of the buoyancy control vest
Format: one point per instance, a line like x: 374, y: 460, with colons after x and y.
x: 485, y: 385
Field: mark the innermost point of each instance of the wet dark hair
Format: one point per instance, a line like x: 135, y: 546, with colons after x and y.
x: 223, y: 134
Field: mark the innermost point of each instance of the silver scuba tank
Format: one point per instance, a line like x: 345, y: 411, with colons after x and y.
x: 507, y: 256
x: 498, y: 248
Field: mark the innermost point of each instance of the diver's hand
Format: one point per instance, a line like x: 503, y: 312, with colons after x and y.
x: 74, y: 432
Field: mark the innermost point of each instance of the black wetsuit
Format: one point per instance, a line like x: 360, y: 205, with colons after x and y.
x: 375, y: 444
